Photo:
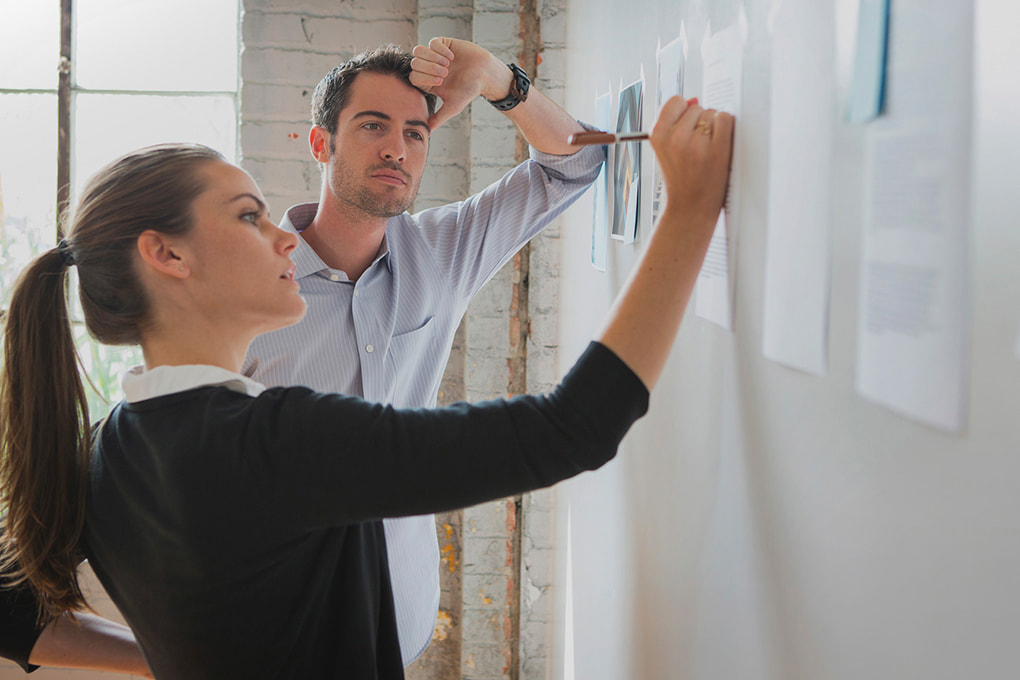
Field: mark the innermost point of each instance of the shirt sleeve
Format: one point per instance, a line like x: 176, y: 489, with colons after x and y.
x: 19, y: 625
x: 472, y: 239
x: 349, y: 460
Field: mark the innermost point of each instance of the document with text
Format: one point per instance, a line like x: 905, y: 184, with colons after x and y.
x: 723, y: 60
x: 915, y: 290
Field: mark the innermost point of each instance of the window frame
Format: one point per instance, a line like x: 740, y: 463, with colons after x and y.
x: 66, y: 92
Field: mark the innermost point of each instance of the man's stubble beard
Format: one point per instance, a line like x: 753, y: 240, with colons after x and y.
x: 353, y: 190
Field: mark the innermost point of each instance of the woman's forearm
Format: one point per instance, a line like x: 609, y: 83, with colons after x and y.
x: 693, y: 148
x: 90, y: 642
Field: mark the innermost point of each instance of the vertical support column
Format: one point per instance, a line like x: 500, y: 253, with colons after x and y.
x: 543, y: 36
x: 490, y: 602
x: 446, y: 180
x: 520, y: 330
x: 64, y: 95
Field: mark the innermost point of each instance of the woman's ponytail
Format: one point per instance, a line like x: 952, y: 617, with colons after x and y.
x: 44, y: 437
x: 44, y: 418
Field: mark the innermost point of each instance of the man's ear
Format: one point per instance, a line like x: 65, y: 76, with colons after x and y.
x: 318, y: 142
x: 157, y: 253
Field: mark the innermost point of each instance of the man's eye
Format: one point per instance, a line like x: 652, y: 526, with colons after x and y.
x: 416, y: 135
x: 372, y: 126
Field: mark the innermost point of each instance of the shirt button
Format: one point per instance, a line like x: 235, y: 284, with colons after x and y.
x: 369, y: 349
x: 334, y: 277
x: 355, y: 293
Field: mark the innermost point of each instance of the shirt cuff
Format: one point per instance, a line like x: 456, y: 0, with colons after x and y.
x: 576, y: 164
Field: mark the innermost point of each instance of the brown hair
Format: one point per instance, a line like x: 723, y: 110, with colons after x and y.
x: 44, y: 418
x: 330, y: 94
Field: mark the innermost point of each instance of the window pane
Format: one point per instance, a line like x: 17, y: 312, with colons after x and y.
x: 107, y: 126
x: 29, y: 44
x: 28, y: 182
x: 185, y: 45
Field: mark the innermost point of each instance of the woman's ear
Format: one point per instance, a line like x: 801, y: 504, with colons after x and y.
x: 160, y: 255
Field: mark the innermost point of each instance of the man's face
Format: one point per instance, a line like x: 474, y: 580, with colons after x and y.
x: 380, y: 146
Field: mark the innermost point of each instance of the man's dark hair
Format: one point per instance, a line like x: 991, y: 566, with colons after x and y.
x: 331, y: 93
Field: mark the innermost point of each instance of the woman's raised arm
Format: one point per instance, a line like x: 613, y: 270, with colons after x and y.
x: 693, y: 147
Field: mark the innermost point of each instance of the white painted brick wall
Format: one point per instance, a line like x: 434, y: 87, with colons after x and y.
x: 447, y: 178
x: 288, y: 46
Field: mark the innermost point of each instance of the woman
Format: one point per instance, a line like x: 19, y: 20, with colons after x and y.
x: 237, y: 528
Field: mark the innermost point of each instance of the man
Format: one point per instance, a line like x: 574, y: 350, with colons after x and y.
x: 386, y: 290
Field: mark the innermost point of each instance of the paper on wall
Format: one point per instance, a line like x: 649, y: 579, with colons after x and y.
x: 797, y: 257
x: 914, y: 304
x: 669, y: 82
x: 722, y: 81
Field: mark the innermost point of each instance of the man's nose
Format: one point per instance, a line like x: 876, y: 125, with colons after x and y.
x: 395, y: 148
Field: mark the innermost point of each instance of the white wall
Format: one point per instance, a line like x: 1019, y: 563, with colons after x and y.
x: 762, y: 523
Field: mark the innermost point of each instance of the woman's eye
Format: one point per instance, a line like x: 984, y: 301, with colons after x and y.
x: 252, y: 217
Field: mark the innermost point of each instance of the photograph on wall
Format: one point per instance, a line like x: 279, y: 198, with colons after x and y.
x: 669, y: 82
x: 627, y: 165
x: 600, y: 218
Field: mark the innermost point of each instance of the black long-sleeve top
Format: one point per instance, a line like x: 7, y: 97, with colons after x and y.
x: 241, y: 537
x: 19, y: 624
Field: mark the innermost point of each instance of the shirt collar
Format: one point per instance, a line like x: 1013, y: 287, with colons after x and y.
x: 306, y: 260
x: 140, y: 384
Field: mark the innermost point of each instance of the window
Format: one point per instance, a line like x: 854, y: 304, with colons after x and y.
x: 106, y: 76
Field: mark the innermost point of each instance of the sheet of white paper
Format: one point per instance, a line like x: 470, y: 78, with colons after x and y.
x: 600, y: 217
x: 669, y: 82
x: 723, y: 58
x: 914, y: 305
x: 803, y: 114
x: 1018, y: 345
x: 714, y: 300
x: 722, y: 55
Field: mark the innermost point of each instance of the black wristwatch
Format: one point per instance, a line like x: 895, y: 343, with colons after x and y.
x: 518, y: 89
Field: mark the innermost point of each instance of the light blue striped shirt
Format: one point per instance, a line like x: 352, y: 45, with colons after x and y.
x: 387, y: 336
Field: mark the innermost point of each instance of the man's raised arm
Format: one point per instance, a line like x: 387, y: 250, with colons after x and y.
x: 457, y: 71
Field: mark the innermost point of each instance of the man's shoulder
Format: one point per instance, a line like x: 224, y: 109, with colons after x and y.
x: 406, y: 231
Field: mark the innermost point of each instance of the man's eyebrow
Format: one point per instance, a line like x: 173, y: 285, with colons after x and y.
x: 383, y: 116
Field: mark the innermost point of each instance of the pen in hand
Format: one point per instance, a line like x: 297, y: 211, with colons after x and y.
x: 598, y: 137
x: 585, y: 138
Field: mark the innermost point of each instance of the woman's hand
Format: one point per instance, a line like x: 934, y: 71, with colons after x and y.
x: 693, y: 148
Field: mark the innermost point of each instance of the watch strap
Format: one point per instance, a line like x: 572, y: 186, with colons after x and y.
x: 519, y: 86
